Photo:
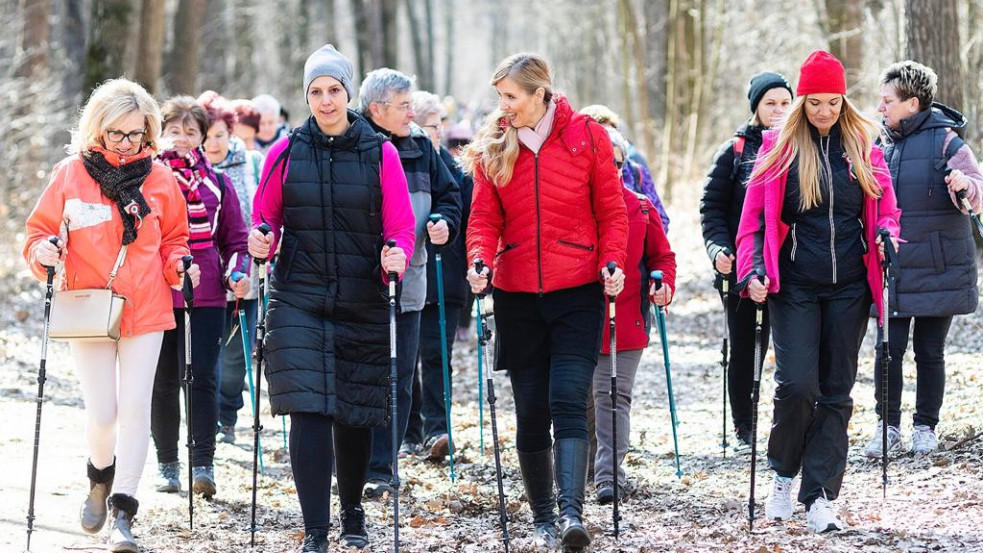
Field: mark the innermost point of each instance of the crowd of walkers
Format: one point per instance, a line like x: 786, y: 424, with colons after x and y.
x: 547, y: 208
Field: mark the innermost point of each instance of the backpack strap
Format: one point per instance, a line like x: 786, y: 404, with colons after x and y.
x: 738, y: 155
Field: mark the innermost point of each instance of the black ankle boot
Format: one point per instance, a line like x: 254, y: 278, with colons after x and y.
x: 122, y: 509
x: 315, y: 541
x: 571, y: 479
x: 94, y: 510
x: 537, y: 477
x: 353, y: 532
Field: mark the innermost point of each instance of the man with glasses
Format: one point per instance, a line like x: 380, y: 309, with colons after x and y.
x: 385, y: 101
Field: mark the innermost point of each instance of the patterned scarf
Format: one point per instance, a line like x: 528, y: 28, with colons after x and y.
x: 122, y: 185
x: 191, y: 170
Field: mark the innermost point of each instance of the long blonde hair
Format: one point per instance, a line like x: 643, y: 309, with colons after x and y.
x: 794, y: 141
x: 496, y: 145
x: 109, y: 103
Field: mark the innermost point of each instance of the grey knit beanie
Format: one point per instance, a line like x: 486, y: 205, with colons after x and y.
x: 327, y: 61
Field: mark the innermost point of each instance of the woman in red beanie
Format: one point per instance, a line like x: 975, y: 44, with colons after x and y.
x: 816, y: 198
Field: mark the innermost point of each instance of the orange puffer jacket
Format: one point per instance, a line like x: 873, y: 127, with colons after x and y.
x: 73, y: 207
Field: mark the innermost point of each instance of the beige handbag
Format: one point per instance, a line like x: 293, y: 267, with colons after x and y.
x: 89, y: 314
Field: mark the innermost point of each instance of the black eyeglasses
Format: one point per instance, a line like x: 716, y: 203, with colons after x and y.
x: 619, y: 164
x: 134, y: 137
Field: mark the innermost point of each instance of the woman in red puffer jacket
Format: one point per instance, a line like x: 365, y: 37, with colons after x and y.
x: 547, y: 216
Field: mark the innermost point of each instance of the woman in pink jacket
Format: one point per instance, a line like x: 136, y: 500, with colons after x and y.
x: 817, y: 196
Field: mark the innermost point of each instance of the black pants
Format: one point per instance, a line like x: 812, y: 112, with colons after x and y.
x: 428, y: 417
x: 550, y: 345
x: 740, y: 368
x: 929, y: 345
x: 817, y: 331
x: 207, y: 329
x: 314, y: 441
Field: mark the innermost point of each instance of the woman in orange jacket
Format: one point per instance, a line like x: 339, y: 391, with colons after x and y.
x: 106, y: 194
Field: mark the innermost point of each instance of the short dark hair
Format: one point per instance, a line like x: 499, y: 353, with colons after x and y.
x: 911, y: 79
x: 184, y: 109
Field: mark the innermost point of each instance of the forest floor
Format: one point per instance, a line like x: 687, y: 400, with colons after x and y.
x: 934, y: 503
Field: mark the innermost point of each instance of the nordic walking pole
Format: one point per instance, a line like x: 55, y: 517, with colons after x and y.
x: 611, y: 266
x: 244, y: 334
x: 755, y: 396
x: 260, y: 337
x: 49, y: 291
x: 393, y: 391
x: 888, y: 266
x: 481, y: 400
x: 189, y: 303
x: 445, y: 365
x: 725, y: 351
x: 483, y: 336
x: 975, y: 217
x: 660, y: 316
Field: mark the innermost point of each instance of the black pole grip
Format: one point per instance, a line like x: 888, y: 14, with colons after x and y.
x: 54, y: 242
x: 657, y: 277
x: 187, y: 289
x: 392, y: 274
x: 264, y: 229
x: 611, y: 266
x: 760, y: 274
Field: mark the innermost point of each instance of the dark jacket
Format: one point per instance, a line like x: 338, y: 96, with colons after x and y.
x: 453, y: 255
x: 328, y: 338
x: 937, y: 255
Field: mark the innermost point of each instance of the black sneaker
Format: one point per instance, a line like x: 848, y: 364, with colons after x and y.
x: 605, y: 493
x: 316, y: 541
x: 742, y: 439
x: 353, y: 532
x: 377, y: 489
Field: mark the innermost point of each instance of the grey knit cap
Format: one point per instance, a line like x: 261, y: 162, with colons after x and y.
x: 327, y: 61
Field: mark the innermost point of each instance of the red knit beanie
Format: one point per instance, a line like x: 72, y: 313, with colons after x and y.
x: 821, y: 73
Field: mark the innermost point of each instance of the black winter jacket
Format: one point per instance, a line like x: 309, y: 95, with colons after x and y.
x: 453, y: 255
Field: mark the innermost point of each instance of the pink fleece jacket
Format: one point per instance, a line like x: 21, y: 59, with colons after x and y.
x: 761, y: 233
x: 398, y: 220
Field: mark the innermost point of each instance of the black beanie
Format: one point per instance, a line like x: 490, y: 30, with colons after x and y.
x: 761, y: 83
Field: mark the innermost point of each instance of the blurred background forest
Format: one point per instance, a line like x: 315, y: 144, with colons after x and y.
x: 675, y: 70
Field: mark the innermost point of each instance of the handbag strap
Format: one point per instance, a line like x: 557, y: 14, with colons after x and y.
x: 119, y: 263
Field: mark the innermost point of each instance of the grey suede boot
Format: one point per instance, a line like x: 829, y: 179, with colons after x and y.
x: 93, y: 513
x: 122, y: 509
x: 571, y: 479
x: 537, y: 477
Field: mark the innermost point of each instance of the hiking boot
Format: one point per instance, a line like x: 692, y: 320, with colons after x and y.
x: 742, y: 439
x: 376, y: 488
x: 779, y: 504
x: 94, y: 510
x: 315, y: 541
x: 409, y: 449
x: 438, y: 447
x: 537, y: 478
x: 122, y: 509
x: 570, y: 465
x: 605, y: 493
x: 821, y: 517
x: 203, y: 481
x: 169, y: 477
x: 923, y: 440
x: 227, y: 434
x: 874, y: 449
x: 353, y: 532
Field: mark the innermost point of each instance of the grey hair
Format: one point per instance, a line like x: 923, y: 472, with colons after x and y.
x: 265, y: 103
x: 618, y: 140
x: 426, y: 104
x: 380, y: 85
x: 911, y: 79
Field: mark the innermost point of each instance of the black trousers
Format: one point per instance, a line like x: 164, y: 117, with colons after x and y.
x: 740, y: 368
x: 314, y: 441
x: 817, y: 331
x: 428, y: 416
x: 550, y: 345
x: 929, y: 344
x: 207, y: 330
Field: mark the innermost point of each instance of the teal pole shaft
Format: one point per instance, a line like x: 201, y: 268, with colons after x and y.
x: 481, y: 398
x: 249, y: 376
x: 660, y: 317
x: 445, y: 365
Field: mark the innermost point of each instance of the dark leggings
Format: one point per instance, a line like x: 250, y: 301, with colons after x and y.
x: 929, y: 346
x: 314, y: 439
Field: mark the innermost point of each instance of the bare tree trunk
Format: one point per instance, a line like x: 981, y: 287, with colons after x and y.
x: 104, y: 56
x: 150, y: 53
x: 243, y: 69
x: 974, y: 72
x: 363, y: 37
x: 625, y: 24
x: 431, y: 60
x: 419, y: 52
x: 933, y: 39
x: 185, y: 55
x: 329, y: 33
x: 658, y: 18
x: 449, y: 43
x: 673, y: 63
x: 647, y: 131
x: 33, y: 51
x: 389, y: 10
x: 841, y: 22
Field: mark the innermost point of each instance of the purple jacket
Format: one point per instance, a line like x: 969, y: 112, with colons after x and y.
x: 636, y: 177
x: 229, y: 234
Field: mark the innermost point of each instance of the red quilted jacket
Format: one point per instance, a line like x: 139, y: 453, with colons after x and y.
x: 560, y: 219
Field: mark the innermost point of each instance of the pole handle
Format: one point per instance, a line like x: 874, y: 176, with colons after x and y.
x: 657, y: 277
x: 392, y: 274
x: 187, y: 290
x: 264, y: 229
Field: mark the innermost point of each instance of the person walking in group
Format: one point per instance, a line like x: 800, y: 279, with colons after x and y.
x: 386, y: 103
x: 930, y: 164
x: 548, y: 215
x: 333, y: 192
x: 218, y: 244
x: 108, y: 194
x: 770, y: 96
x: 815, y: 200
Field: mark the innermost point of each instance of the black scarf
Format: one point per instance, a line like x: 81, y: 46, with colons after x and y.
x: 122, y: 185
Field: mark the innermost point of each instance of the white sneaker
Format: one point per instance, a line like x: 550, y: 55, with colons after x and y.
x: 923, y: 440
x: 874, y: 449
x: 822, y: 518
x: 779, y: 504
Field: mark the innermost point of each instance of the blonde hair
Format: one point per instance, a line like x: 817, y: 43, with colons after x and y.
x: 496, y: 144
x: 603, y: 115
x: 109, y: 103
x: 794, y: 142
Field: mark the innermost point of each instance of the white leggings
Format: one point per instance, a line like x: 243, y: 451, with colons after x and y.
x: 122, y: 403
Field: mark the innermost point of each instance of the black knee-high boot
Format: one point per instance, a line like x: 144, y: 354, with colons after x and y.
x: 571, y: 479
x: 537, y: 477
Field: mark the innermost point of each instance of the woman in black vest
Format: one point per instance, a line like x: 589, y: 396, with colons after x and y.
x: 929, y: 164
x: 334, y: 192
x: 770, y: 95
